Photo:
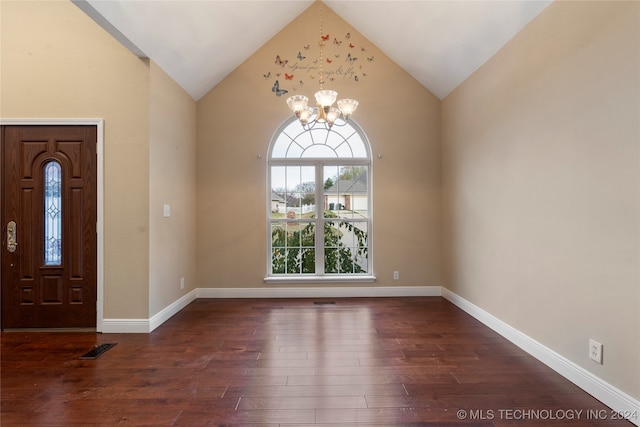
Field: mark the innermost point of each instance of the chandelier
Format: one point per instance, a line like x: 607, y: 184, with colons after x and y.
x: 324, y: 113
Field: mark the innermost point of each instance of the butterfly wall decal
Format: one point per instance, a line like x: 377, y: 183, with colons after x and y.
x: 276, y: 89
x: 281, y: 62
x: 337, y: 52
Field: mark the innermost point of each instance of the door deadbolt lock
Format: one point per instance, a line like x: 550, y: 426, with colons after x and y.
x: 12, y: 242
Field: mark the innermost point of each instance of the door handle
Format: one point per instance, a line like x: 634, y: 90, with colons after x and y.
x: 12, y: 242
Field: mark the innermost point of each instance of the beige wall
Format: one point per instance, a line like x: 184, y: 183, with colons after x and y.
x: 57, y: 63
x: 172, y: 181
x: 236, y: 121
x: 541, y: 185
x: 539, y: 169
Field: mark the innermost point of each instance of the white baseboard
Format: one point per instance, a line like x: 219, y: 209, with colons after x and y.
x: 165, y: 314
x: 321, y: 292
x: 125, y: 326
x: 142, y: 326
x: 595, y: 386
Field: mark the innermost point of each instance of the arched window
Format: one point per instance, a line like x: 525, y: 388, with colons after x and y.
x: 319, y: 203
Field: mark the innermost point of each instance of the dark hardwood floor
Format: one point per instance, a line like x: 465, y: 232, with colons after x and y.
x: 361, y: 361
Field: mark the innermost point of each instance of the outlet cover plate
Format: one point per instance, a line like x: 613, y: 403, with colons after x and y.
x: 595, y: 351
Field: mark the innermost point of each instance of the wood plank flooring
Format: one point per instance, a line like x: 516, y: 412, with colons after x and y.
x: 270, y: 362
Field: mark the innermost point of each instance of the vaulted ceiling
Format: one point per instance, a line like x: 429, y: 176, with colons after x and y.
x: 440, y: 43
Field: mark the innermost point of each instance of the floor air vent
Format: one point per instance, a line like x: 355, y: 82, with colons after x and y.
x: 324, y: 303
x: 97, y: 351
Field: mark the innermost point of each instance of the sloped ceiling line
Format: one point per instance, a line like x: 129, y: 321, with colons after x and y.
x: 439, y: 43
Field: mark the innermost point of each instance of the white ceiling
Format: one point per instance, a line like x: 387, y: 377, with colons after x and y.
x: 440, y: 43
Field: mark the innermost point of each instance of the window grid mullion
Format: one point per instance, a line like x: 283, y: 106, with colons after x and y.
x: 320, y: 267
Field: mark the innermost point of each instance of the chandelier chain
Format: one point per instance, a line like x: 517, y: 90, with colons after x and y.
x: 321, y: 42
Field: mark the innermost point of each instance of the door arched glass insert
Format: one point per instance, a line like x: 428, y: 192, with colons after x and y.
x: 52, y: 213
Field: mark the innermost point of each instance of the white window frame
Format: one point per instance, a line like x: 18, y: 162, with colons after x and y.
x: 319, y: 163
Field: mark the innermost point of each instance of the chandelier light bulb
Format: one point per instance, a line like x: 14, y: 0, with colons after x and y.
x: 305, y: 115
x: 332, y: 115
x: 347, y: 107
x: 326, y: 98
x: 297, y: 103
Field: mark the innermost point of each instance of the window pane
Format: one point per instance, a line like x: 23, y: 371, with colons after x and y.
x: 292, y: 191
x: 335, y: 140
x: 278, y: 235
x: 308, y: 261
x: 344, y: 150
x: 301, y: 189
x: 292, y: 247
x: 281, y: 146
x: 357, y: 146
x: 278, y: 194
x: 346, y: 191
x: 303, y: 141
x: 331, y: 257
x: 319, y: 150
x: 346, y: 246
x: 294, y: 150
x: 278, y: 257
x: 52, y: 214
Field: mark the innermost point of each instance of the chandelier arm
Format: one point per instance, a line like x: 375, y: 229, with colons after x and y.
x: 340, y: 119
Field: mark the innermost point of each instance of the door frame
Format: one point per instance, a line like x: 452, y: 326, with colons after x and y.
x: 99, y: 124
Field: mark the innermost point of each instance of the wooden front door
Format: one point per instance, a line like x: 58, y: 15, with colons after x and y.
x: 49, y: 239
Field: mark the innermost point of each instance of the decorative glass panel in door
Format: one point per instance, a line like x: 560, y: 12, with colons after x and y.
x: 52, y: 213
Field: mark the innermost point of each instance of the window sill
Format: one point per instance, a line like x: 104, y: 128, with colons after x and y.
x: 320, y: 279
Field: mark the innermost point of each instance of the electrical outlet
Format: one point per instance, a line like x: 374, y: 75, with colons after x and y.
x: 396, y: 275
x: 182, y: 283
x: 595, y: 351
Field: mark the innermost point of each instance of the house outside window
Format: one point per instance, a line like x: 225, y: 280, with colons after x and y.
x: 319, y: 204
